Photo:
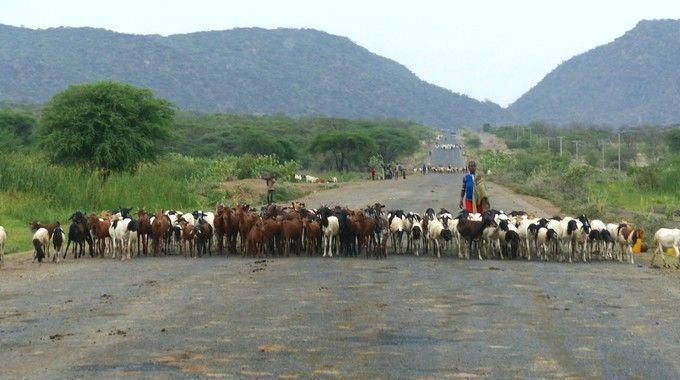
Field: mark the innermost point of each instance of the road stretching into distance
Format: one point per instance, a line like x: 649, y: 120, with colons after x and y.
x: 404, y: 317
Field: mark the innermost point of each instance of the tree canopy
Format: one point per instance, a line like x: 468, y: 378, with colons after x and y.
x: 107, y: 126
x: 16, y: 128
x: 347, y: 148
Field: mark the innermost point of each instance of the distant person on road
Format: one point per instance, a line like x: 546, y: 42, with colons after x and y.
x: 373, y: 173
x: 473, y: 196
x: 399, y: 170
x: 424, y: 169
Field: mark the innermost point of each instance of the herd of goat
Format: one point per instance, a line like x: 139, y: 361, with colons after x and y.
x: 295, y: 229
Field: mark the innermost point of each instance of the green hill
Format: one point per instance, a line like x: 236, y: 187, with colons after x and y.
x: 632, y: 80
x: 291, y: 71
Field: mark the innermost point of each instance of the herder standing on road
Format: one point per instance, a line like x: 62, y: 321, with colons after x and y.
x: 473, y: 196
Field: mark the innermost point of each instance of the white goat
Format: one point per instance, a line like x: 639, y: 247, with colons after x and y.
x: 666, y: 238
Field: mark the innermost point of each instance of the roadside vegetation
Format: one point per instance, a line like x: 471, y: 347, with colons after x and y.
x: 646, y: 191
x: 80, y: 152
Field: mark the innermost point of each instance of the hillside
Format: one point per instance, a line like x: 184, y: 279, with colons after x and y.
x: 293, y: 71
x: 632, y: 80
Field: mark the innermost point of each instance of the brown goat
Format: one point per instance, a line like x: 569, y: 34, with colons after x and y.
x: 255, y: 239
x: 101, y: 233
x: 144, y: 231
x: 159, y: 232
x: 186, y: 246
x: 246, y: 220
x: 291, y: 235
x: 312, y: 236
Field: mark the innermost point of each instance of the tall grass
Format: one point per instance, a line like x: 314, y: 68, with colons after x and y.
x: 30, y: 188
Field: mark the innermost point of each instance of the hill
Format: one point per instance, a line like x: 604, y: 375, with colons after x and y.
x: 632, y: 80
x: 291, y: 71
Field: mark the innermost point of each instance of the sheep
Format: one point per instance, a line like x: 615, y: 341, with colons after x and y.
x: 437, y: 230
x: 41, y: 240
x: 3, y: 238
x: 546, y: 240
x: 506, y: 228
x: 395, y: 223
x: 416, y: 234
x: 666, y: 238
x: 613, y: 230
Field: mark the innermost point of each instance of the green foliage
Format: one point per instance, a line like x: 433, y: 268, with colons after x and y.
x: 473, y: 141
x: 108, y: 126
x: 214, y: 134
x: 17, y: 127
x: 673, y: 140
x: 486, y: 127
x: 350, y: 148
x: 392, y: 143
x: 9, y: 142
x: 645, y: 195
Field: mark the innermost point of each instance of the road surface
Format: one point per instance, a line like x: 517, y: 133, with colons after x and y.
x: 404, y: 317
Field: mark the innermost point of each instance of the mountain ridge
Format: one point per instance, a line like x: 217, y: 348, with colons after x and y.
x: 243, y: 70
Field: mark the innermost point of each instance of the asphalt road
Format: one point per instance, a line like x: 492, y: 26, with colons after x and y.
x: 403, y: 317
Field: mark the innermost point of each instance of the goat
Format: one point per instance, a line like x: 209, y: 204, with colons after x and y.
x: 472, y: 230
x: 79, y: 233
x: 627, y: 237
x: 57, y: 242
x: 330, y: 227
x: 203, y: 233
x: 666, y: 238
x: 41, y: 240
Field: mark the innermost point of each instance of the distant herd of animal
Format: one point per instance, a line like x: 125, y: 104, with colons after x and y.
x: 295, y: 229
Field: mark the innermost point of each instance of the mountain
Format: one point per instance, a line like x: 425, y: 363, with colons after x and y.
x: 292, y: 71
x: 633, y: 80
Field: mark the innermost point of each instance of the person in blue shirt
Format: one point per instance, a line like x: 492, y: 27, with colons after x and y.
x: 467, y: 193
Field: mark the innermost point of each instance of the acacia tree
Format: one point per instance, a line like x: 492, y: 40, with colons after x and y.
x: 393, y: 143
x: 346, y: 147
x: 106, y: 126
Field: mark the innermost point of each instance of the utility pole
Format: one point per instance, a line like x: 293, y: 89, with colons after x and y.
x: 561, y: 145
x: 576, y: 142
x: 619, y: 151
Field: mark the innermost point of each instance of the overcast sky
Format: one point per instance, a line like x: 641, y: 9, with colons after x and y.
x: 487, y: 49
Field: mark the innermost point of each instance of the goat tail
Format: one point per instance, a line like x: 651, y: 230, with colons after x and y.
x: 39, y: 253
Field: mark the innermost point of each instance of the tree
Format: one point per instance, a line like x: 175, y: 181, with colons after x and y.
x: 393, y: 143
x: 107, y: 126
x: 346, y: 147
x: 18, y: 124
x: 674, y: 140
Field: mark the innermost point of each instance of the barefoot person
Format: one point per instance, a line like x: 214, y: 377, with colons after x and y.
x: 473, y: 197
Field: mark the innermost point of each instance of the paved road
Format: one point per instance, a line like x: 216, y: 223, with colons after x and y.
x: 403, y: 317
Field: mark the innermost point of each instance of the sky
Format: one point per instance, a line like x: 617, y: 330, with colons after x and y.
x: 487, y: 49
